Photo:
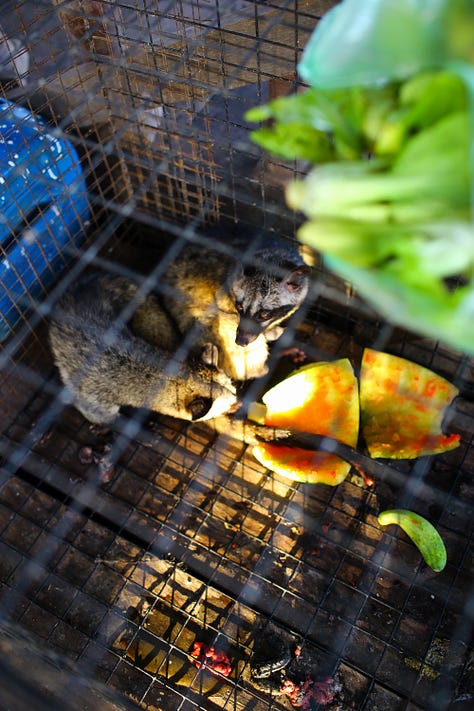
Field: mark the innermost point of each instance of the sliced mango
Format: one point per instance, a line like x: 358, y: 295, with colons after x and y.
x: 402, y: 407
x: 321, y: 398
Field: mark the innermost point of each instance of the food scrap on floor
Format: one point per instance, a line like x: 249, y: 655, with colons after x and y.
x: 208, y: 657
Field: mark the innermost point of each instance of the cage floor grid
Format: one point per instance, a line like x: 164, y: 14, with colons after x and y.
x: 188, y: 538
x: 191, y: 540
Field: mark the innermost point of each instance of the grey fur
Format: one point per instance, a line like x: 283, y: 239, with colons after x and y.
x: 220, y: 300
x: 268, y: 292
x: 114, y: 349
x: 105, y: 365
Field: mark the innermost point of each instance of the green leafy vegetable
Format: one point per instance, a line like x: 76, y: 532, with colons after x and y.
x: 423, y: 534
x: 350, y: 122
x: 429, y: 96
x: 424, y: 306
x: 295, y: 140
x: 398, y: 231
x: 432, y: 168
x: 386, y: 40
x: 388, y: 121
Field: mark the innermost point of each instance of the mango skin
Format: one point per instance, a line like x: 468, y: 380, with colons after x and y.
x: 321, y: 398
x: 402, y: 407
x: 302, y: 465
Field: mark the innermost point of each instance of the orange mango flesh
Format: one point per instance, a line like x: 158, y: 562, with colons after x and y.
x: 402, y: 407
x: 321, y: 398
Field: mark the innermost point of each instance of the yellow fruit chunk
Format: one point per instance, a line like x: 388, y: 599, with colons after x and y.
x: 402, y: 407
x: 321, y: 398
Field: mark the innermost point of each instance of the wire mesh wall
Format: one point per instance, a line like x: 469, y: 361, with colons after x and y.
x: 128, y: 553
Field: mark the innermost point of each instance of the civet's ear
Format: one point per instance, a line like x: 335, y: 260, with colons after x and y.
x: 297, y: 278
x: 210, y: 355
x: 235, y: 276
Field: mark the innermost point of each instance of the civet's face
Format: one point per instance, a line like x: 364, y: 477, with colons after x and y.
x: 263, y: 298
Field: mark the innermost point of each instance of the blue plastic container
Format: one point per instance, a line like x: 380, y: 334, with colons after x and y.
x: 43, y: 211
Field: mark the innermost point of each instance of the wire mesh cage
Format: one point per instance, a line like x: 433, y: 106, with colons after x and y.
x: 130, y: 552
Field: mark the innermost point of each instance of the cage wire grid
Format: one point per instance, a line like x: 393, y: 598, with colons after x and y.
x: 107, y: 584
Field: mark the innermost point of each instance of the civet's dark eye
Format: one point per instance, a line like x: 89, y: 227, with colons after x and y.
x: 199, y: 407
x: 264, y: 315
x: 239, y: 307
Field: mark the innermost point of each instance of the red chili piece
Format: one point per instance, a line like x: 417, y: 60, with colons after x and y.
x: 210, y: 658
